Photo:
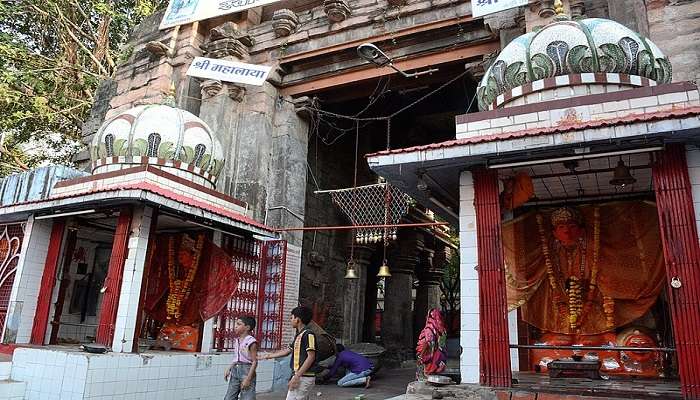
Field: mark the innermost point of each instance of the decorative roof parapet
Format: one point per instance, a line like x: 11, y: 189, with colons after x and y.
x: 336, y: 10
x: 284, y: 22
x: 227, y: 41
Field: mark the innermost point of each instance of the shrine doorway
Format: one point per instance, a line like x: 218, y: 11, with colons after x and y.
x: 82, y: 269
x: 585, y: 266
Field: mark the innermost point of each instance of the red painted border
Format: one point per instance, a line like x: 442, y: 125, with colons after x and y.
x: 48, y: 281
x: 113, y: 282
x: 494, y: 350
x: 679, y: 237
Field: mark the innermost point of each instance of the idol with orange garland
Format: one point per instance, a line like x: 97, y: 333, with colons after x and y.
x: 579, y: 274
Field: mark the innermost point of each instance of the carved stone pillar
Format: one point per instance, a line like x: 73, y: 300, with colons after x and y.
x: 428, y: 293
x: 397, y: 327
x: 354, y: 296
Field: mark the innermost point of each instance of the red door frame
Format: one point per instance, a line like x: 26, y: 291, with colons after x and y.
x: 679, y: 238
x: 48, y: 281
x: 113, y: 281
x: 494, y: 344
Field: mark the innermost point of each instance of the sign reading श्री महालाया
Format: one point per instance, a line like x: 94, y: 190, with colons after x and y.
x: 229, y: 71
x: 182, y: 12
x: 483, y: 7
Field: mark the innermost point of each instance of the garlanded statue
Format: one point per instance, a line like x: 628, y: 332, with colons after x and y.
x: 432, y: 345
x: 581, y: 274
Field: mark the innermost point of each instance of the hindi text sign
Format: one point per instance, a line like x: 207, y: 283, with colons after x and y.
x: 181, y: 12
x: 229, y: 71
x: 483, y: 7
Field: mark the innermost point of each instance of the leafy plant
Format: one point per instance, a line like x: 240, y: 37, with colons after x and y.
x: 53, y: 55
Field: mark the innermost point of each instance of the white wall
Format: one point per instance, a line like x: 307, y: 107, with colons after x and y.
x: 469, y: 282
x: 67, y: 375
x: 25, y: 289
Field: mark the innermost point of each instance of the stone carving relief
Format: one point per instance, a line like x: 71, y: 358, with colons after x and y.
x: 236, y: 92
x: 578, y: 8
x: 227, y: 41
x: 336, y: 10
x: 210, y: 88
x: 284, y: 22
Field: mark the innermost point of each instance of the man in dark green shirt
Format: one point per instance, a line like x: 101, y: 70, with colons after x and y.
x: 303, y: 351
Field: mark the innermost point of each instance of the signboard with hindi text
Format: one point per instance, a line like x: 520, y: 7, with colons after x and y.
x: 483, y: 7
x: 181, y: 12
x: 229, y: 71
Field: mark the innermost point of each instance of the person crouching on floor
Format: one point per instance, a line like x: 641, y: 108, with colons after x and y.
x: 357, y: 368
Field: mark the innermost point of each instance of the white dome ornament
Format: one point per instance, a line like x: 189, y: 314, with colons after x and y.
x: 567, y: 47
x: 162, y: 135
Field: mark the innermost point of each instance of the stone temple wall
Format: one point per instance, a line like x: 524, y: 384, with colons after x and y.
x: 675, y: 28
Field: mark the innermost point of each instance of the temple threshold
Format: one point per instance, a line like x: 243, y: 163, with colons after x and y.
x: 531, y: 386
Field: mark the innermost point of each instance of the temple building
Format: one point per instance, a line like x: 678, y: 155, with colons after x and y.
x: 530, y: 173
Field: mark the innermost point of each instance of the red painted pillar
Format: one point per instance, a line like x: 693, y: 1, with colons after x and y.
x: 48, y: 280
x: 493, y: 311
x: 679, y: 238
x: 113, y: 281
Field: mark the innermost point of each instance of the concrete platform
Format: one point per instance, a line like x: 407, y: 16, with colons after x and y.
x: 388, y: 384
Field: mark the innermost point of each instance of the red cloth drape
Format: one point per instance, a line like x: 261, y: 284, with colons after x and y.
x: 215, y: 282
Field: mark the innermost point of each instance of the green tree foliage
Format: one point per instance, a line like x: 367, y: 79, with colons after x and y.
x: 53, y: 54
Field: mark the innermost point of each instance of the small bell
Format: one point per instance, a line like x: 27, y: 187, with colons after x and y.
x: 384, y: 271
x: 350, y: 273
x: 622, y: 176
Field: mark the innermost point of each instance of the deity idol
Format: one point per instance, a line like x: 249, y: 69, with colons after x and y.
x: 584, y: 271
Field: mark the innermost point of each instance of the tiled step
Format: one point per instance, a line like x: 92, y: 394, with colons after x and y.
x: 12, y: 390
x: 5, y: 368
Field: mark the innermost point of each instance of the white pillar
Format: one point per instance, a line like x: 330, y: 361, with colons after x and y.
x: 469, y: 281
x: 27, y: 283
x: 130, y: 294
x: 513, y: 339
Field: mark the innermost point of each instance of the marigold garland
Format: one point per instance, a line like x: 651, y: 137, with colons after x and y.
x: 574, y: 306
x: 180, y: 289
